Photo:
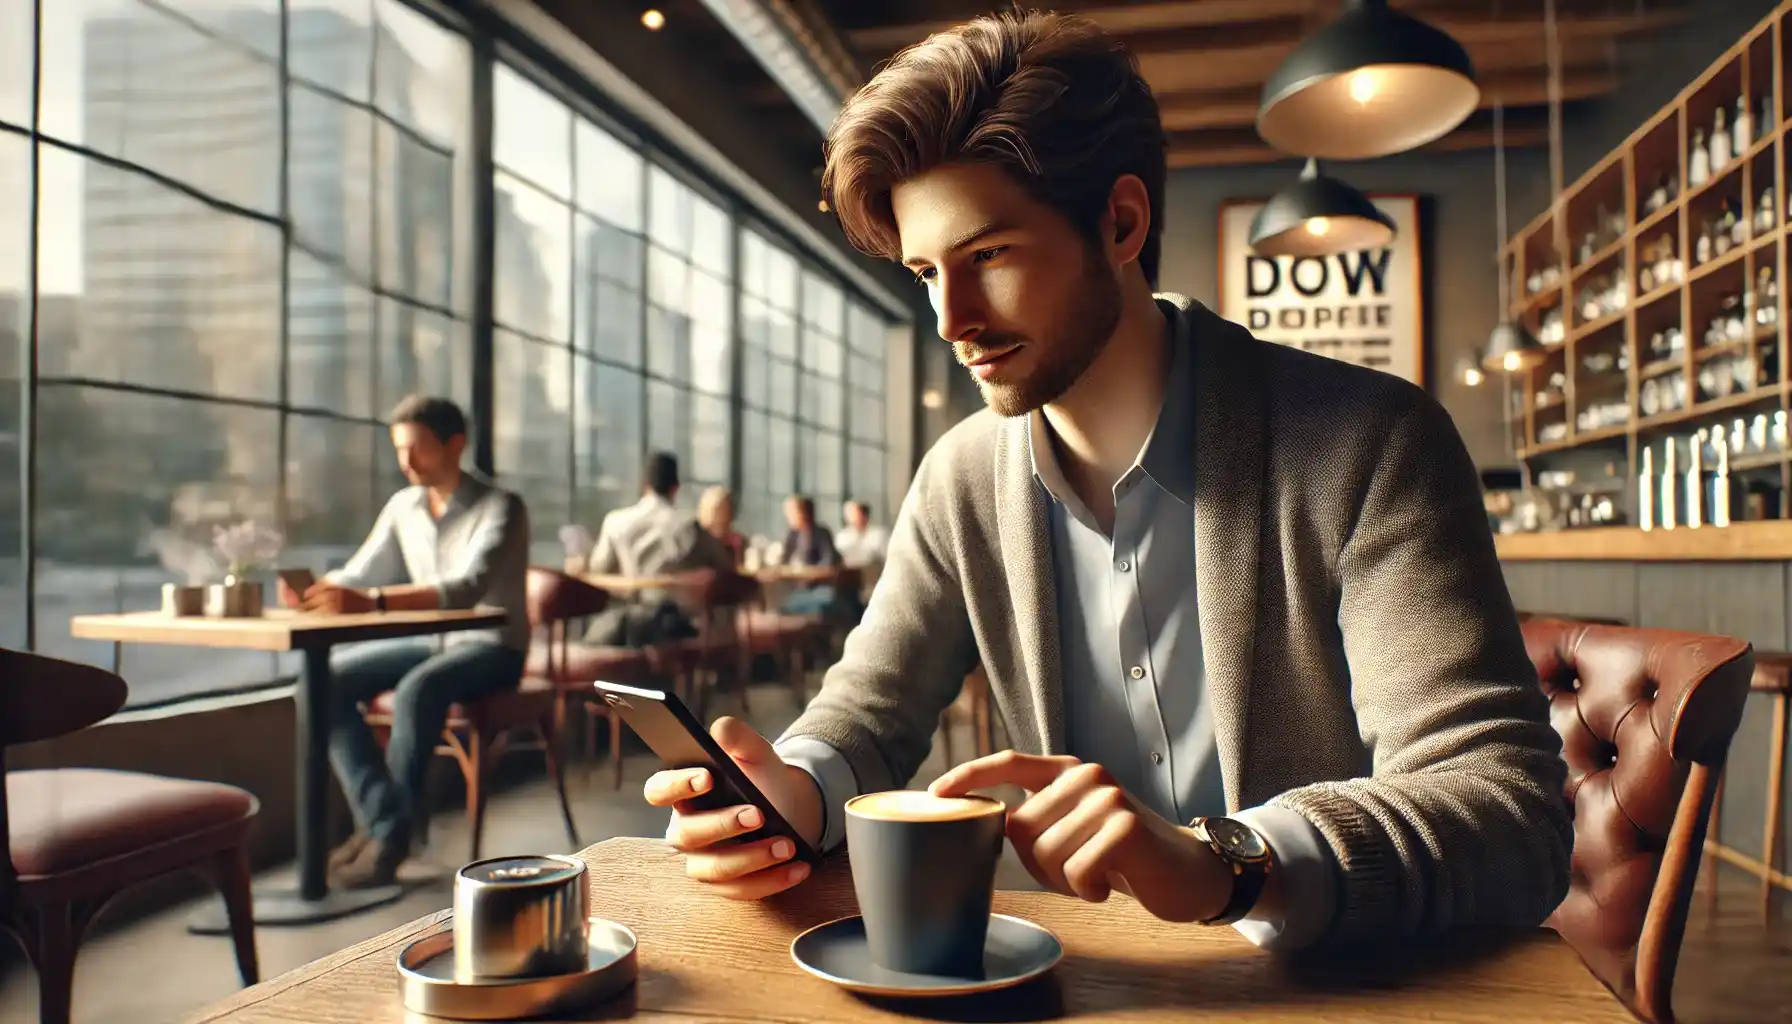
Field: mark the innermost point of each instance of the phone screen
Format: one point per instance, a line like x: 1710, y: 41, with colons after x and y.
x: 677, y: 739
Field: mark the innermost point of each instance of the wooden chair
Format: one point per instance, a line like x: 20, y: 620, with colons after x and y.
x: 76, y: 837
x: 723, y: 646
x: 1646, y: 718
x: 972, y: 707
x: 531, y: 717
x: 1772, y: 678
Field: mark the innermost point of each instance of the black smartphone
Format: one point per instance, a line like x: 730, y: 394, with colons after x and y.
x: 300, y: 580
x: 678, y: 739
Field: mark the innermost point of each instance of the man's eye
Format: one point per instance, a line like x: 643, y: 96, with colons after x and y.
x: 924, y: 275
x: 985, y: 255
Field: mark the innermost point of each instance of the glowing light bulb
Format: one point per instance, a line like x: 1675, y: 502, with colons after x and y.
x: 1472, y: 376
x: 1514, y: 362
x: 822, y: 206
x: 1363, y: 86
x: 653, y: 19
x: 1319, y: 226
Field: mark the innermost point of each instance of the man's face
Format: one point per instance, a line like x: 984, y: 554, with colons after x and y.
x: 425, y: 459
x: 1026, y: 301
x: 793, y: 514
x: 854, y: 516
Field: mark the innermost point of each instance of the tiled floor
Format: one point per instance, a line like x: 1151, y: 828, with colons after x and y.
x: 1733, y: 970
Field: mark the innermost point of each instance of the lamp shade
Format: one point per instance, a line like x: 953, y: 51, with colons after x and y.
x: 1511, y: 348
x: 1318, y: 216
x: 1372, y: 83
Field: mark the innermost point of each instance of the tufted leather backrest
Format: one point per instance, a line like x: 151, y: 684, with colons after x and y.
x: 1646, y: 717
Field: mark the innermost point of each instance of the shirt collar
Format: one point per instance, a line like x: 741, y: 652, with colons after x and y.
x: 1168, y: 455
x: 469, y: 490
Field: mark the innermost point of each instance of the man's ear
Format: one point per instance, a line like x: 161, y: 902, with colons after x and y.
x: 1128, y: 218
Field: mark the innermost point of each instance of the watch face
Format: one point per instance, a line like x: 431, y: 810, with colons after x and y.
x: 1237, y: 838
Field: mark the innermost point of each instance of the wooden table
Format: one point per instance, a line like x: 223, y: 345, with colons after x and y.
x: 704, y: 957
x: 313, y: 634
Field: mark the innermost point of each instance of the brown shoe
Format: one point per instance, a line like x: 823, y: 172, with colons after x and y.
x: 348, y: 851
x: 376, y: 865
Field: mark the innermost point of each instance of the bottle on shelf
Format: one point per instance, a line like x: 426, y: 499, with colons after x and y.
x: 1662, y: 194
x: 1732, y: 223
x: 1694, y: 487
x: 1742, y: 131
x: 1767, y: 298
x: 1669, y: 485
x: 1765, y: 211
x: 1645, y: 491
x: 1720, y: 143
x: 1703, y: 250
x: 1764, y: 120
x: 1722, y: 497
x: 1698, y: 163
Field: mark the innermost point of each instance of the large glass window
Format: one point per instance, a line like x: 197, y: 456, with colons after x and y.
x: 15, y: 313
x: 195, y: 322
x: 768, y: 385
x: 240, y: 265
x: 867, y: 428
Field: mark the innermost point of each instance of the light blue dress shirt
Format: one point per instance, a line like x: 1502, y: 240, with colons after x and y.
x: 1135, y: 698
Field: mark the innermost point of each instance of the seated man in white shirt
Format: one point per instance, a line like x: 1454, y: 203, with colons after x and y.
x: 652, y: 537
x: 861, y: 545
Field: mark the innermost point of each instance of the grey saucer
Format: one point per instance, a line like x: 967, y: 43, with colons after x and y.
x: 1016, y: 951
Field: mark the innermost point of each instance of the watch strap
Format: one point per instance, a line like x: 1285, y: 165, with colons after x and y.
x: 1248, y: 877
x: 379, y: 599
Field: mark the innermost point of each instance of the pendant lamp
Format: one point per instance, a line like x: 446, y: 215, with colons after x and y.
x: 1372, y: 83
x: 1317, y: 216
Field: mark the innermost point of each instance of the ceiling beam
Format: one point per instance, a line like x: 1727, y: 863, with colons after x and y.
x: 1121, y: 19
x: 1249, y: 38
x: 1233, y: 107
x: 1251, y: 65
x: 1240, y: 150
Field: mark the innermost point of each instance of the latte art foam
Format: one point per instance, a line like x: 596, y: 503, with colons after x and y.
x: 920, y: 805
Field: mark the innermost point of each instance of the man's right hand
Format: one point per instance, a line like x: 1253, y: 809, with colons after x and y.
x: 750, y: 870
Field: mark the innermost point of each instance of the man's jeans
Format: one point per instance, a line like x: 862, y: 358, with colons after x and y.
x: 384, y: 792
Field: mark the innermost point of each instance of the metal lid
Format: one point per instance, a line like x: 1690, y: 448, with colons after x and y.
x: 523, y: 871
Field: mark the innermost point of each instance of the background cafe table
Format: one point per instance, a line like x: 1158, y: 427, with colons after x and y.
x: 314, y: 634
x: 708, y: 958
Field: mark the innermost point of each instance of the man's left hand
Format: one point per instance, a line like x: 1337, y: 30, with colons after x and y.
x: 333, y: 599
x: 1080, y: 834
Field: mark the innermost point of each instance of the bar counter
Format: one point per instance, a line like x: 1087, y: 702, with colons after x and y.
x: 1764, y: 541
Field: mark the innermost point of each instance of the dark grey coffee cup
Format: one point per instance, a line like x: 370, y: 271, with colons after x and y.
x: 924, y: 886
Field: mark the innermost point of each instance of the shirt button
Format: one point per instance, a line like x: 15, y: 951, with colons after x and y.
x: 1137, y: 672
x: 1124, y: 565
x: 1157, y: 758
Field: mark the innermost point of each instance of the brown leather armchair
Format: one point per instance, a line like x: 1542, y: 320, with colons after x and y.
x: 76, y: 837
x: 1646, y: 717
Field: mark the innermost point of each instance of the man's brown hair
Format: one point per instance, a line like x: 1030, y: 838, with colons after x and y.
x: 1051, y: 98
x: 439, y: 416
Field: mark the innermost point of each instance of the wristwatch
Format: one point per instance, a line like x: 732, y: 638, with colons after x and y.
x: 1245, y: 852
x: 379, y: 599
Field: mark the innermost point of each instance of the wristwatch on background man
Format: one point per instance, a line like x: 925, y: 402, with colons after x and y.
x: 1245, y: 852
x: 379, y: 599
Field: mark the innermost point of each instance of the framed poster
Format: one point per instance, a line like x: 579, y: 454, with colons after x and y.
x: 1362, y: 307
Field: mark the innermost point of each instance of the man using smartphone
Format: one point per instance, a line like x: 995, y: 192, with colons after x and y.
x: 1238, y: 604
x: 450, y: 540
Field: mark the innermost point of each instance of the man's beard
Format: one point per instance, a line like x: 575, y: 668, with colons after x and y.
x: 1060, y: 359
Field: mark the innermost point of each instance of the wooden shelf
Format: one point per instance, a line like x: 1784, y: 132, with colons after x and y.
x: 1758, y: 65
x: 1768, y: 541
